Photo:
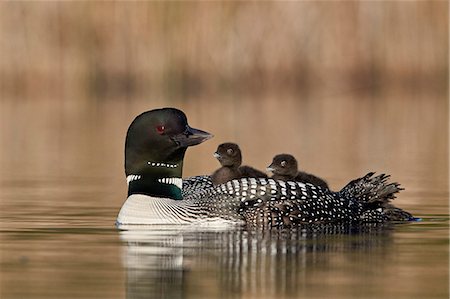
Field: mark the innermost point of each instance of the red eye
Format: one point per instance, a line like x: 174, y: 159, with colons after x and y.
x: 160, y: 129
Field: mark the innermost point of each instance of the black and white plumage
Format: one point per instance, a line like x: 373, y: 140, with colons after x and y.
x: 195, y: 184
x: 265, y: 203
x: 154, y: 152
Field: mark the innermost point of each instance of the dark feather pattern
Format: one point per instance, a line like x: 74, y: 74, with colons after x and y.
x: 196, y: 184
x: 267, y: 203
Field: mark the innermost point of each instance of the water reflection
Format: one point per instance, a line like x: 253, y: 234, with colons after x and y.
x: 168, y: 263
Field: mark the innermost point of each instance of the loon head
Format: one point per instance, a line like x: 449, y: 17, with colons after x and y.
x: 284, y: 165
x: 229, y: 154
x: 154, y: 150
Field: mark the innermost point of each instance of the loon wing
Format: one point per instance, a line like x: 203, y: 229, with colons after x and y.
x: 195, y: 184
x: 264, y: 202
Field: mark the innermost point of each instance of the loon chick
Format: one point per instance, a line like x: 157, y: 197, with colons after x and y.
x: 155, y: 145
x: 285, y: 168
x: 230, y: 158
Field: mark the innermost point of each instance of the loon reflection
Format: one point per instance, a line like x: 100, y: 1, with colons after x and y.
x: 165, y: 262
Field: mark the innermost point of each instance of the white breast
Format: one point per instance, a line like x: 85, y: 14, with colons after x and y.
x: 144, y: 209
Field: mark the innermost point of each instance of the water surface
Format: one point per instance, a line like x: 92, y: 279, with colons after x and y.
x: 62, y: 187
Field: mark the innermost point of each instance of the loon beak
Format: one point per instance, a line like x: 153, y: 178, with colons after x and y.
x: 191, y: 137
x: 270, y: 168
x: 216, y: 155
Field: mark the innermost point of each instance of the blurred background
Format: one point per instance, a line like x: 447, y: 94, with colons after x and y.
x: 346, y: 87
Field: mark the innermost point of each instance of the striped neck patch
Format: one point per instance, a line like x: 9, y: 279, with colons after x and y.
x: 132, y: 177
x: 178, y: 182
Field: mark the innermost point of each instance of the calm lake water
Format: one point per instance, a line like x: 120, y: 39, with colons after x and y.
x: 347, y: 87
x: 62, y: 185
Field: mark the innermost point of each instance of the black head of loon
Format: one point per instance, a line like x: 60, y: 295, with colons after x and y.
x: 155, y: 145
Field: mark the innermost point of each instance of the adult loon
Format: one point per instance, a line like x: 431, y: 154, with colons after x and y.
x: 285, y: 167
x: 155, y: 145
x: 230, y: 158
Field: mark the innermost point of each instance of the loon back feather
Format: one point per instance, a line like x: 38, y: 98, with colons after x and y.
x: 195, y: 184
x: 370, y: 189
x: 274, y: 203
x: 268, y: 203
x: 393, y: 213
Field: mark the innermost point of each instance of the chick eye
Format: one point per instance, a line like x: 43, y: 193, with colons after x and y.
x: 229, y: 151
x: 160, y: 129
x: 283, y: 163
